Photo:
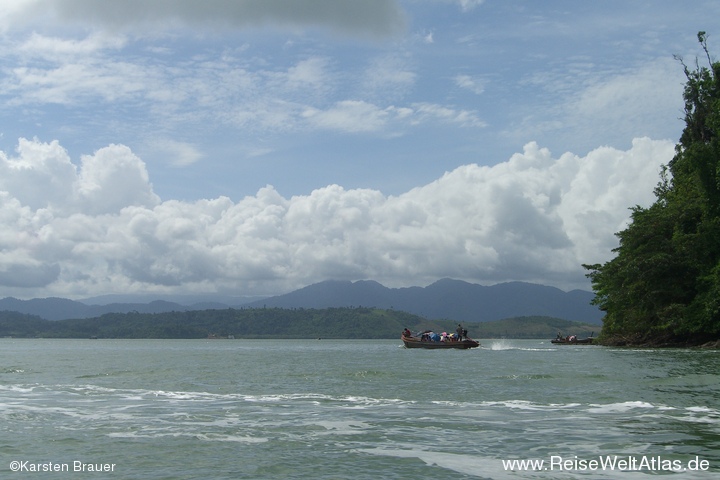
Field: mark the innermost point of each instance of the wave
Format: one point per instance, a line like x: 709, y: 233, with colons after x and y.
x: 499, y: 345
x: 18, y: 388
x: 103, y: 393
x: 82, y: 401
x: 539, y: 376
x: 103, y: 375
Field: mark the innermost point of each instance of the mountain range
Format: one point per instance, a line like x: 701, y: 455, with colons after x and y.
x: 445, y: 299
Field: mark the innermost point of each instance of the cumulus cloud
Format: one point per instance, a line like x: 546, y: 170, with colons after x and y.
x: 42, y: 177
x: 98, y: 227
x: 369, y: 17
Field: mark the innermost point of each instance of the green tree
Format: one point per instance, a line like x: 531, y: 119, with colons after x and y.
x: 663, y: 286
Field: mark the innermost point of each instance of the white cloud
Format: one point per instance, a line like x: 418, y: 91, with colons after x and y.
x: 42, y: 177
x: 621, y: 98
x: 388, y: 76
x: 75, y: 82
x: 469, y: 83
x: 112, y: 179
x: 78, y: 231
x: 467, y: 5
x: 173, y: 152
x: 53, y: 47
x: 225, y: 91
x: 584, y: 105
x: 307, y: 72
x: 431, y: 112
x: 349, y: 116
x: 354, y: 116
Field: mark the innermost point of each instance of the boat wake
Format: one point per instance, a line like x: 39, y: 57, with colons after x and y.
x: 508, y: 345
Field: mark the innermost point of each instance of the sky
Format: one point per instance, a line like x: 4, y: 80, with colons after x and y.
x: 253, y: 147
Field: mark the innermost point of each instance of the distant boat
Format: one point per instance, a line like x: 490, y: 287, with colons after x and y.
x: 572, y: 340
x: 418, y: 342
x: 213, y: 336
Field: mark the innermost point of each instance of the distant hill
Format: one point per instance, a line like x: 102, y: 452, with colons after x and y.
x: 62, y: 308
x: 447, y: 299
x: 443, y: 300
x: 185, y: 300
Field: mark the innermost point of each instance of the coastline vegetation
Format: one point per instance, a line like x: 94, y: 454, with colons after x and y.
x: 345, y: 323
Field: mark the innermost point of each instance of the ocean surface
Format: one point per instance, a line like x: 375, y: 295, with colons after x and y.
x: 326, y: 409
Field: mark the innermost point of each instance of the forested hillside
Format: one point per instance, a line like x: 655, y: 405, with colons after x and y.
x: 350, y: 323
x: 241, y: 323
x: 663, y: 286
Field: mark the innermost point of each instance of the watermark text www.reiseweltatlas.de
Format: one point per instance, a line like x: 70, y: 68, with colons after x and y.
x: 644, y: 463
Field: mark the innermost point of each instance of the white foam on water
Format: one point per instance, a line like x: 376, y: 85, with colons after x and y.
x: 158, y: 434
x: 12, y: 370
x: 17, y: 388
x: 511, y: 404
x: 349, y: 401
x: 620, y: 407
x: 342, y: 427
x: 500, y: 345
x: 209, y: 437
x: 525, y: 405
x: 195, y: 396
x: 701, y: 415
x: 476, y: 466
x: 464, y: 464
x: 703, y: 410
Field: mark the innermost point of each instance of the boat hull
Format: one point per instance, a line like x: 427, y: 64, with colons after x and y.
x: 579, y: 341
x: 414, y: 342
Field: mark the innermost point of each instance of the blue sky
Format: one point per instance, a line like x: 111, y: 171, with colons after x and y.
x: 254, y: 147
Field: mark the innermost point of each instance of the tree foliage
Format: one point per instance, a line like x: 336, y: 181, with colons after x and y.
x: 663, y: 286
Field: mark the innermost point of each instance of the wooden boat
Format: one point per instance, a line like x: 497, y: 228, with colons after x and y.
x: 572, y: 341
x: 417, y: 342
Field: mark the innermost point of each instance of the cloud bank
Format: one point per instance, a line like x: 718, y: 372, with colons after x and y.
x: 98, y: 227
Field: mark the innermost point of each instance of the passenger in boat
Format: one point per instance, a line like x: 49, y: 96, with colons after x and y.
x: 407, y: 333
x: 459, y: 332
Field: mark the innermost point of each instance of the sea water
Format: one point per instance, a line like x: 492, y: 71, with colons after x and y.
x: 328, y: 409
